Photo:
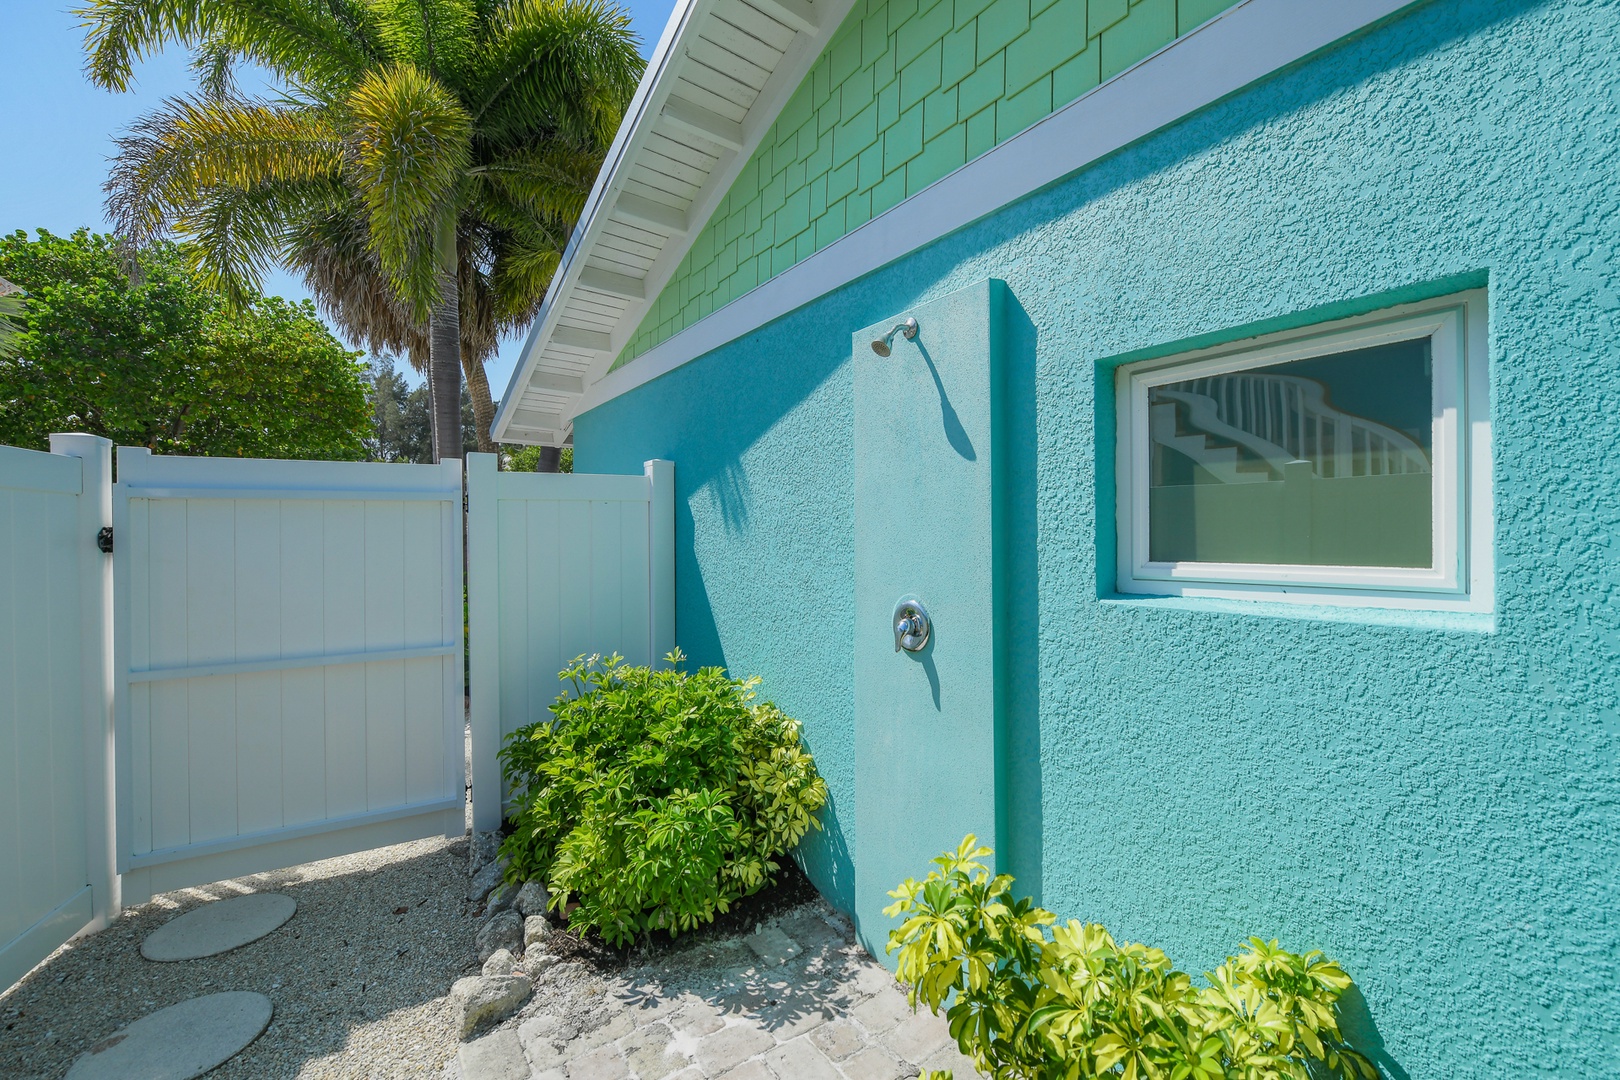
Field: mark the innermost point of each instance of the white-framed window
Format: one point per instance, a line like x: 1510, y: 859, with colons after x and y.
x: 1343, y: 463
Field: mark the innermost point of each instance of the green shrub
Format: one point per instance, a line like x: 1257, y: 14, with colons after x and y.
x: 1036, y: 1006
x: 656, y: 799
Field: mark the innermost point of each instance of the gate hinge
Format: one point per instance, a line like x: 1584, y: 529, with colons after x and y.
x: 104, y: 540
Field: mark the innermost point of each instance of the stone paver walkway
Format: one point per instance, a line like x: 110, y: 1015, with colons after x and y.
x: 797, y: 1000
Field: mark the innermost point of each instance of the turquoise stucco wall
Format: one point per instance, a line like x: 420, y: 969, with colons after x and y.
x: 1435, y: 802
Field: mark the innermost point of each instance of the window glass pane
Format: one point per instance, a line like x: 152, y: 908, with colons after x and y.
x: 1324, y: 461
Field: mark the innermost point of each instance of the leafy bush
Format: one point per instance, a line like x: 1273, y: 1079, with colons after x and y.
x: 1075, y: 1004
x: 656, y: 798
x: 165, y: 362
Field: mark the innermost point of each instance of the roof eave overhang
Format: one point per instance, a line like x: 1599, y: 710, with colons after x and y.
x: 721, y: 73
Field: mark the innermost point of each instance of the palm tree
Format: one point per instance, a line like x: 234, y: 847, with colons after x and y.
x: 330, y: 252
x: 447, y: 145
x: 11, y: 307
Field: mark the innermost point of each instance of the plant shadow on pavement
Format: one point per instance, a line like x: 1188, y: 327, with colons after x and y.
x: 716, y: 965
x: 378, y: 944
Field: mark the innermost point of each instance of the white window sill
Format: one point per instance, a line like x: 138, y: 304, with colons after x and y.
x: 1471, y: 622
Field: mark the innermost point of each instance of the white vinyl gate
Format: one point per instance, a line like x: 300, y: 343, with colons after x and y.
x: 287, y: 662
x: 56, y: 876
x: 268, y: 668
x: 559, y: 565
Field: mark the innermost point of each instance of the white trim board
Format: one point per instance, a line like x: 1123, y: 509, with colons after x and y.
x: 1241, y: 46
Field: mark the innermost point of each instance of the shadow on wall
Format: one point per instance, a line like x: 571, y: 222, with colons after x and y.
x: 829, y: 851
x: 1357, y: 1027
x: 761, y: 436
x: 955, y: 433
x: 1019, y: 771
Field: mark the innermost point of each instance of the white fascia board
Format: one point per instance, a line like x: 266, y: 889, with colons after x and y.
x: 1241, y: 46
x: 640, y: 118
x: 651, y: 78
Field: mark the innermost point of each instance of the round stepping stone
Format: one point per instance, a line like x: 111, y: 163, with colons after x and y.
x: 179, y: 1042
x: 218, y: 927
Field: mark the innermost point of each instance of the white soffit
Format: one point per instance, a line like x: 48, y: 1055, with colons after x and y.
x: 722, y: 71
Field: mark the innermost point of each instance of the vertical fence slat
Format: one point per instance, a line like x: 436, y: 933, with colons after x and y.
x: 12, y: 867
x: 574, y: 574
x: 259, y: 706
x: 32, y: 645
x: 53, y: 699
x: 423, y: 741
x: 634, y: 615
x: 65, y: 662
x: 211, y: 637
x: 303, y: 633
x: 544, y: 650
x: 345, y: 622
x: 486, y: 644
x: 606, y: 582
x: 510, y: 553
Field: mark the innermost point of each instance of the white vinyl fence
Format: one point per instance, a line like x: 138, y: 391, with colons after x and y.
x: 268, y: 667
x: 288, y: 662
x: 559, y: 565
x: 56, y: 877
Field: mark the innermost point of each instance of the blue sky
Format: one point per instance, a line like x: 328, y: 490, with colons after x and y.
x: 57, y: 130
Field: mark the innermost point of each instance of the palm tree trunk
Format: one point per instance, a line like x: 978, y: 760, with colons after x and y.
x: 550, y: 458
x: 444, y: 350
x: 483, y: 407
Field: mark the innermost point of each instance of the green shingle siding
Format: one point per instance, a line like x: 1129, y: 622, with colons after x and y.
x: 905, y: 93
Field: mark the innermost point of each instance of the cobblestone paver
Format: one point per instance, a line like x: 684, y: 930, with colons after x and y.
x: 796, y: 1000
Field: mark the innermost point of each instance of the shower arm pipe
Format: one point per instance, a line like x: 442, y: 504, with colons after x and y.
x: 908, y: 329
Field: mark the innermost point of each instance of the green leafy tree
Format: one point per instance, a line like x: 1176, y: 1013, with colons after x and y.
x: 423, y: 144
x: 162, y: 361
x: 402, y: 422
x: 531, y: 459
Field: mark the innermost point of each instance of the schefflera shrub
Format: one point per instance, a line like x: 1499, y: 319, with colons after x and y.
x: 1034, y: 1001
x: 656, y: 798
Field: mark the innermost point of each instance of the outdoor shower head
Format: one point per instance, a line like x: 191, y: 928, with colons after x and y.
x: 908, y: 328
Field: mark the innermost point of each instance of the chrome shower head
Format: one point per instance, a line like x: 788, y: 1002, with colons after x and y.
x: 907, y: 328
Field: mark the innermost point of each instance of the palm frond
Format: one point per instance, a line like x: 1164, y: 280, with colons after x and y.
x: 189, y: 147
x: 237, y: 234
x: 11, y: 307
x: 330, y: 249
x: 214, y: 64
x: 323, y: 44
x: 551, y: 178
x: 524, y: 263
x: 409, y: 151
x: 435, y: 36
x: 564, y: 65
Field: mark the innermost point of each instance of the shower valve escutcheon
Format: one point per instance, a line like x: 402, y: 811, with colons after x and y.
x: 911, y: 625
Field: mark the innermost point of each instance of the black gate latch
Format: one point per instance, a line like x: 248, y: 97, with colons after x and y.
x: 104, y: 539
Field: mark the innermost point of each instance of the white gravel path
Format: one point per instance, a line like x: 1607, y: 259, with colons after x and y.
x: 358, y: 988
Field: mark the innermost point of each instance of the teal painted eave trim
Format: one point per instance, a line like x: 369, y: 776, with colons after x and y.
x: 1295, y: 320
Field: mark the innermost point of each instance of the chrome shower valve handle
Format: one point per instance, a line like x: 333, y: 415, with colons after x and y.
x: 911, y: 625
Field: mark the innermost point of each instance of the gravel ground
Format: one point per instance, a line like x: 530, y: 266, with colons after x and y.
x: 358, y: 984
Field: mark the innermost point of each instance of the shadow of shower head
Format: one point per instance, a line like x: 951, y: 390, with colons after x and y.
x: 907, y: 328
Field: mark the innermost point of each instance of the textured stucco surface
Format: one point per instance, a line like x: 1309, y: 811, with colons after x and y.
x: 1436, y: 803
x: 927, y: 461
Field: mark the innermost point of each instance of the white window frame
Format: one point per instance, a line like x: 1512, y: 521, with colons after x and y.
x: 1460, y: 578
